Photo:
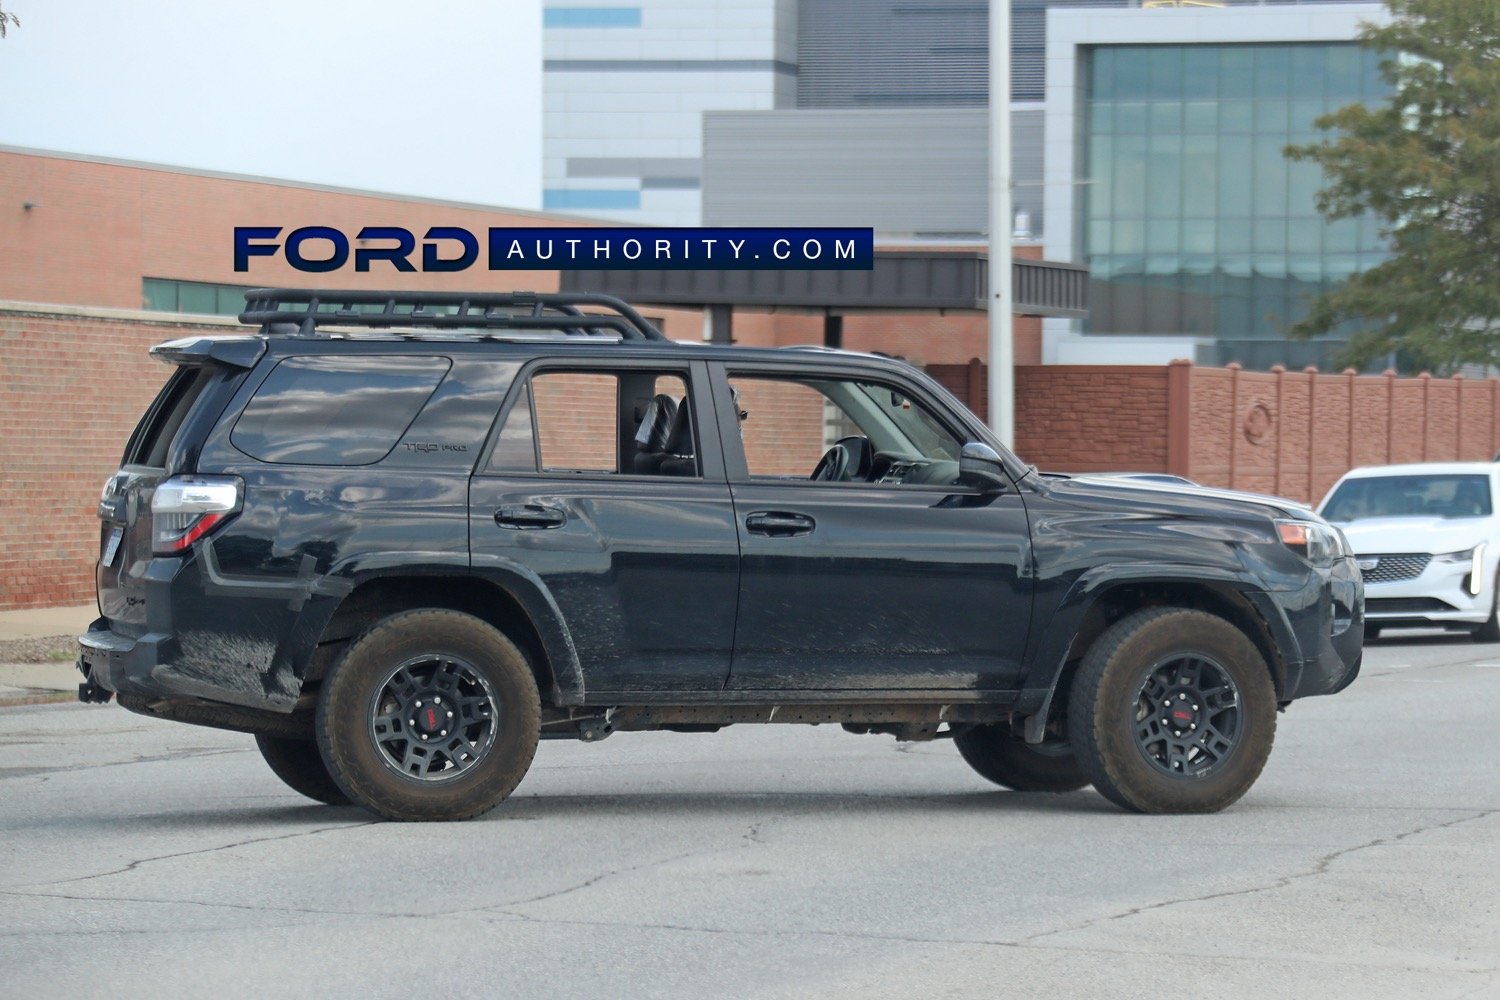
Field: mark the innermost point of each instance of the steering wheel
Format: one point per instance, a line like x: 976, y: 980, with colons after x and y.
x: 850, y: 458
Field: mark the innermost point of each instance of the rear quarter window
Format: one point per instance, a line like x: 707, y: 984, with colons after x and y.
x: 336, y: 411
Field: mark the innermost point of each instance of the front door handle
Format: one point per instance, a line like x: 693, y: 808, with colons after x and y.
x: 530, y: 515
x: 779, y: 523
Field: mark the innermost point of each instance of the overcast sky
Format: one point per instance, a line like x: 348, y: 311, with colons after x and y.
x: 440, y: 98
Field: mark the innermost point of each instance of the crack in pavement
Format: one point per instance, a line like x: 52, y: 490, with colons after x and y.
x: 1016, y: 945
x: 187, y: 754
x: 752, y: 837
x: 1320, y: 867
x: 132, y: 866
x: 75, y: 932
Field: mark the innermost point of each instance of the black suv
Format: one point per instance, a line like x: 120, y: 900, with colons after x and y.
x: 402, y: 537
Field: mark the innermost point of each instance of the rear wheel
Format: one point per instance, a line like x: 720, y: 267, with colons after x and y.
x: 1172, y: 711
x: 430, y: 715
x: 1011, y: 762
x: 298, y: 763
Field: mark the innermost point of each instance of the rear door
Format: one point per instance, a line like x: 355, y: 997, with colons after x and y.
x: 633, y: 535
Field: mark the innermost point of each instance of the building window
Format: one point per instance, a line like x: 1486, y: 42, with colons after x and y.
x: 568, y: 199
x: 166, y: 295
x: 591, y: 17
x: 1194, y: 222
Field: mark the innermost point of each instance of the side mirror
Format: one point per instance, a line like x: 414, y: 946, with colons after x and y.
x: 980, y: 467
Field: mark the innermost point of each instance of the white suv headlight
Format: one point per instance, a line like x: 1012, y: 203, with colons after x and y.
x: 1474, y: 557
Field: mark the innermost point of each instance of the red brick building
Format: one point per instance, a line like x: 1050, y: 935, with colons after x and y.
x: 86, y: 244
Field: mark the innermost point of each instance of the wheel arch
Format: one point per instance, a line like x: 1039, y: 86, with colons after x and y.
x: 515, y: 606
x: 1089, y: 611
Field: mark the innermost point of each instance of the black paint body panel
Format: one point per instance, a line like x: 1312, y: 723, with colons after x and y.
x: 651, y: 590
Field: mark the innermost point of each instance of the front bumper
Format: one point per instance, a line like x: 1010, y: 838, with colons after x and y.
x: 1320, y: 628
x: 1439, y: 595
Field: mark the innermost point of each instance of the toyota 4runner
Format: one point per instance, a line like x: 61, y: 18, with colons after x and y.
x: 402, y: 537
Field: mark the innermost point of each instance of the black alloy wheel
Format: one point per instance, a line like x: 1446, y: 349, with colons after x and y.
x: 1187, y: 718
x: 433, y: 717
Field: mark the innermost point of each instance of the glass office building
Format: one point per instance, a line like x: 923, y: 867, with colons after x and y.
x: 1191, y: 218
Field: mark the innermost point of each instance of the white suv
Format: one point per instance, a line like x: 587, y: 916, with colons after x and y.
x: 1428, y: 543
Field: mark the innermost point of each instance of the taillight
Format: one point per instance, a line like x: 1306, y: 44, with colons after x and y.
x: 185, y: 508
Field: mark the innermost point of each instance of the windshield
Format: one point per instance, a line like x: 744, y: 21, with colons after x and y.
x: 1409, y: 496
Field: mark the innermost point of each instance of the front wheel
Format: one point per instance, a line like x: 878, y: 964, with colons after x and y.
x: 1490, y: 630
x: 1011, y: 762
x: 430, y: 715
x: 1172, y: 711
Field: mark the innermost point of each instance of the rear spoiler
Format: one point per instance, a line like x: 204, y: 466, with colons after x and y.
x: 238, y: 351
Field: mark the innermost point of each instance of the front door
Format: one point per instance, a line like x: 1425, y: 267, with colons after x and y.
x: 864, y: 565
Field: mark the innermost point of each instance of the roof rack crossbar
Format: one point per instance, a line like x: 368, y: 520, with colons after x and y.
x: 308, y: 309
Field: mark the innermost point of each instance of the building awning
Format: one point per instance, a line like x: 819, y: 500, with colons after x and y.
x: 901, y: 281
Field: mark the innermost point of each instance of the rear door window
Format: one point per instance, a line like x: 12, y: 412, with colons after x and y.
x: 631, y: 422
x: 336, y: 411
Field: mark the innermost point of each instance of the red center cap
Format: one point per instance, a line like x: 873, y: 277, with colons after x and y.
x: 432, y: 718
x: 1182, y: 716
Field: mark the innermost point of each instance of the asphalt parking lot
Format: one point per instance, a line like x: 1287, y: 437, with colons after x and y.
x: 140, y: 858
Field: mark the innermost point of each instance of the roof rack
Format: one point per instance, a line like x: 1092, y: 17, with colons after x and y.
x: 306, y: 309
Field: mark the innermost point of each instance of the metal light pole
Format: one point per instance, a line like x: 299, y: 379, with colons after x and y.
x: 1001, y: 315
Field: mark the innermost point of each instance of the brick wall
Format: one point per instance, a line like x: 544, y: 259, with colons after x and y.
x: 1290, y: 434
x: 71, y: 390
x: 98, y: 228
x: 74, y: 383
x: 1077, y: 418
x: 1294, y: 433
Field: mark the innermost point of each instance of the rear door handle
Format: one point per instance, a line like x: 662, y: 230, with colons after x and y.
x: 530, y: 515
x: 779, y: 523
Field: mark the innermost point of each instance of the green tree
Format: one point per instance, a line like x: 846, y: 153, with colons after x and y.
x: 1427, y: 165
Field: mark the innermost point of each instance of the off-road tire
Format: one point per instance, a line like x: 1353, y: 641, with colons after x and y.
x: 348, y: 700
x: 300, y: 765
x: 1109, y: 689
x: 1011, y: 762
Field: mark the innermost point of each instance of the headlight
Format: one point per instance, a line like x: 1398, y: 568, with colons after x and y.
x: 1474, y: 557
x: 1319, y: 544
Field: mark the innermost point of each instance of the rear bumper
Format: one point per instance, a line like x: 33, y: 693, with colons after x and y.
x: 151, y: 666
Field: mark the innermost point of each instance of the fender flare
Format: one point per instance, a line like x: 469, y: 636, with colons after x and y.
x: 523, y: 585
x: 1046, y: 663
